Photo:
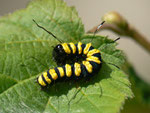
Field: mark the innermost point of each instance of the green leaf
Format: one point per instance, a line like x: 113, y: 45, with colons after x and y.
x: 6, y: 82
x: 141, y: 102
x: 26, y: 52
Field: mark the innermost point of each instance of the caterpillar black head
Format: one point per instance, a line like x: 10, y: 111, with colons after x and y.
x: 59, y: 49
x: 59, y: 54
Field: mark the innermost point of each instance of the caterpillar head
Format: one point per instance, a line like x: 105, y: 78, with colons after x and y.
x: 59, y: 54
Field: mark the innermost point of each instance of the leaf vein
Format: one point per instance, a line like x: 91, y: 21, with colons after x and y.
x: 52, y: 19
x: 89, y: 100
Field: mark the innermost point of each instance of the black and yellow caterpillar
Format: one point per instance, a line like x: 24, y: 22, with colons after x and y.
x: 74, y: 60
x: 90, y: 64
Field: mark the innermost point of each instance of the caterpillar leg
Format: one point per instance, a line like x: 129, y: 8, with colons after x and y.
x: 101, y: 91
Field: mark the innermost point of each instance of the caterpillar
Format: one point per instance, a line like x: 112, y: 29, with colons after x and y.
x: 85, y: 61
x: 86, y: 68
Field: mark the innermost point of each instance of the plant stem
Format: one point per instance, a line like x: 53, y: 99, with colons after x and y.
x: 139, y: 38
x: 129, y: 31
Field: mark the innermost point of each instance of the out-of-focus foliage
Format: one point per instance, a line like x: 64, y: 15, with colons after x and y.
x: 141, y: 101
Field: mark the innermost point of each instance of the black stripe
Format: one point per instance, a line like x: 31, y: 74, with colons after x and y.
x: 98, y: 55
x: 49, y: 76
x: 94, y: 65
x: 57, y: 72
x: 91, y: 48
x: 72, y: 69
x: 84, y: 71
x: 83, y: 46
x: 70, y: 49
x: 64, y: 68
x: 77, y: 51
x: 44, y: 80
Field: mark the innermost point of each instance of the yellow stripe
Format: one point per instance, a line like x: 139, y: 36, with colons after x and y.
x: 87, y: 47
x: 93, y: 51
x: 94, y: 59
x: 88, y: 66
x: 61, y: 71
x: 68, y: 70
x: 41, y: 82
x: 53, y: 74
x: 72, y: 45
x: 66, y: 48
x: 46, y: 78
x: 79, y: 47
x: 77, y: 67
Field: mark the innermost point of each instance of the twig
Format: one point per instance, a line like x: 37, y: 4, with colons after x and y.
x: 129, y: 31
